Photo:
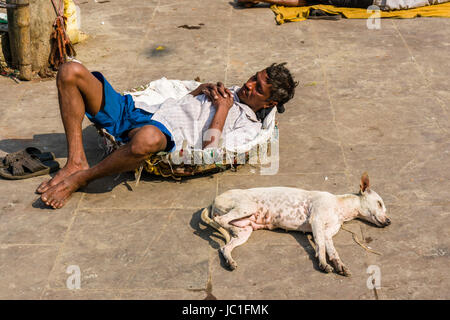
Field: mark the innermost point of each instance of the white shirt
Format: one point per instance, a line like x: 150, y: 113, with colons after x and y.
x: 189, y: 117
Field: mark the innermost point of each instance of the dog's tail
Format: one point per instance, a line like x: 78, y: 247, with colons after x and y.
x: 207, y: 219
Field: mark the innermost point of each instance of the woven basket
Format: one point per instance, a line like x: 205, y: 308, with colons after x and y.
x: 164, y: 164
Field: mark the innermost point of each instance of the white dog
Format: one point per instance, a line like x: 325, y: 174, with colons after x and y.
x: 240, y: 212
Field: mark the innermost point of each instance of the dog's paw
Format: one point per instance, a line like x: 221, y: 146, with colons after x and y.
x: 230, y: 262
x: 232, y: 265
x: 325, y: 267
x: 346, y: 272
x: 343, y: 271
x: 341, y: 268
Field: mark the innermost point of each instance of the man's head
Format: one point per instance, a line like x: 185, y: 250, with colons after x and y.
x: 268, y: 88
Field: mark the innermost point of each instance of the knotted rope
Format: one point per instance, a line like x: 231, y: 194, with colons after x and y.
x: 61, y: 45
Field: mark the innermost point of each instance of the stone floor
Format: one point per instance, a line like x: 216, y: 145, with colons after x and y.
x: 369, y: 100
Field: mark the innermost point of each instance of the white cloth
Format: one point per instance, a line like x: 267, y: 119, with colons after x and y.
x: 405, y: 4
x: 188, y: 117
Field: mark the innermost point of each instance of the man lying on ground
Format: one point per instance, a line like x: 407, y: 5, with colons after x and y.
x: 210, y: 111
x: 302, y: 3
x: 384, y: 5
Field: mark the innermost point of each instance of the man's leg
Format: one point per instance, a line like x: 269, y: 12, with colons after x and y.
x: 145, y: 140
x: 78, y: 91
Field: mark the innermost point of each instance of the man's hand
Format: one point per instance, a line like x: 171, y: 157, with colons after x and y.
x: 216, y: 93
x: 200, y: 88
x: 222, y: 99
x: 220, y: 96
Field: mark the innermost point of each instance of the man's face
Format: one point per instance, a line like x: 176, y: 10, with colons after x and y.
x: 256, y: 92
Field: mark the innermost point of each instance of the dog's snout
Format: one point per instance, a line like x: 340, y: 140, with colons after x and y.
x: 388, y: 222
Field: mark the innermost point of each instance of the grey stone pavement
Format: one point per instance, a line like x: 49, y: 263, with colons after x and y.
x: 374, y: 100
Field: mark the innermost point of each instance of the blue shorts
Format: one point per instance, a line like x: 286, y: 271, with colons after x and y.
x: 119, y: 115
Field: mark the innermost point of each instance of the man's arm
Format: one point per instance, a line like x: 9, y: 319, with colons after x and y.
x: 223, y: 102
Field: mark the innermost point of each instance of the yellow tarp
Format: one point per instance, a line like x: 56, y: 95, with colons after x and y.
x: 286, y: 14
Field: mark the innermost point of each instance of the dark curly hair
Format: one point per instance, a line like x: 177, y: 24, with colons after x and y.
x: 283, y: 87
x: 283, y: 84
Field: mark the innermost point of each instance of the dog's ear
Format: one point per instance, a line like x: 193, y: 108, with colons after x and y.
x: 364, y: 182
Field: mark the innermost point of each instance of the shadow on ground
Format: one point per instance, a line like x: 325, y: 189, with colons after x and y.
x: 56, y: 143
x: 209, y: 234
x: 239, y: 7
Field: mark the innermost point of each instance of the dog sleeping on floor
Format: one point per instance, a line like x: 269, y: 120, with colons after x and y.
x: 240, y: 212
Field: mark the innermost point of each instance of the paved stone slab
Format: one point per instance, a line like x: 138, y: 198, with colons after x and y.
x: 179, y: 53
x: 24, y: 219
x: 105, y: 244
x: 152, y: 294
x: 331, y: 182
x: 178, y: 259
x: 368, y: 100
x: 152, y: 192
x: 319, y: 150
x: 404, y: 174
x: 287, y: 43
x: 425, y: 247
x: 124, y: 294
x: 24, y: 270
x: 428, y: 50
x: 80, y: 294
x: 267, y: 271
x: 28, y: 110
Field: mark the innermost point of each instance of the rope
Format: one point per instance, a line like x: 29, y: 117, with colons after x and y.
x: 355, y: 238
x: 61, y: 45
x: 138, y: 174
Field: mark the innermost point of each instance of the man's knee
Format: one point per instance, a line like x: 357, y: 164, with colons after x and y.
x: 69, y: 73
x: 147, y: 140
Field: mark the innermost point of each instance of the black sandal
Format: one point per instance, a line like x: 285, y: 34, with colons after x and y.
x: 25, y: 165
x: 10, y: 158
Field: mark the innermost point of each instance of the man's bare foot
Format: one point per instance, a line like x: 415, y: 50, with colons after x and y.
x: 58, y: 195
x: 247, y: 3
x: 65, y: 172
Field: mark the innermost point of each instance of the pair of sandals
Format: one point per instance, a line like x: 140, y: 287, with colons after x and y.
x: 27, y: 163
